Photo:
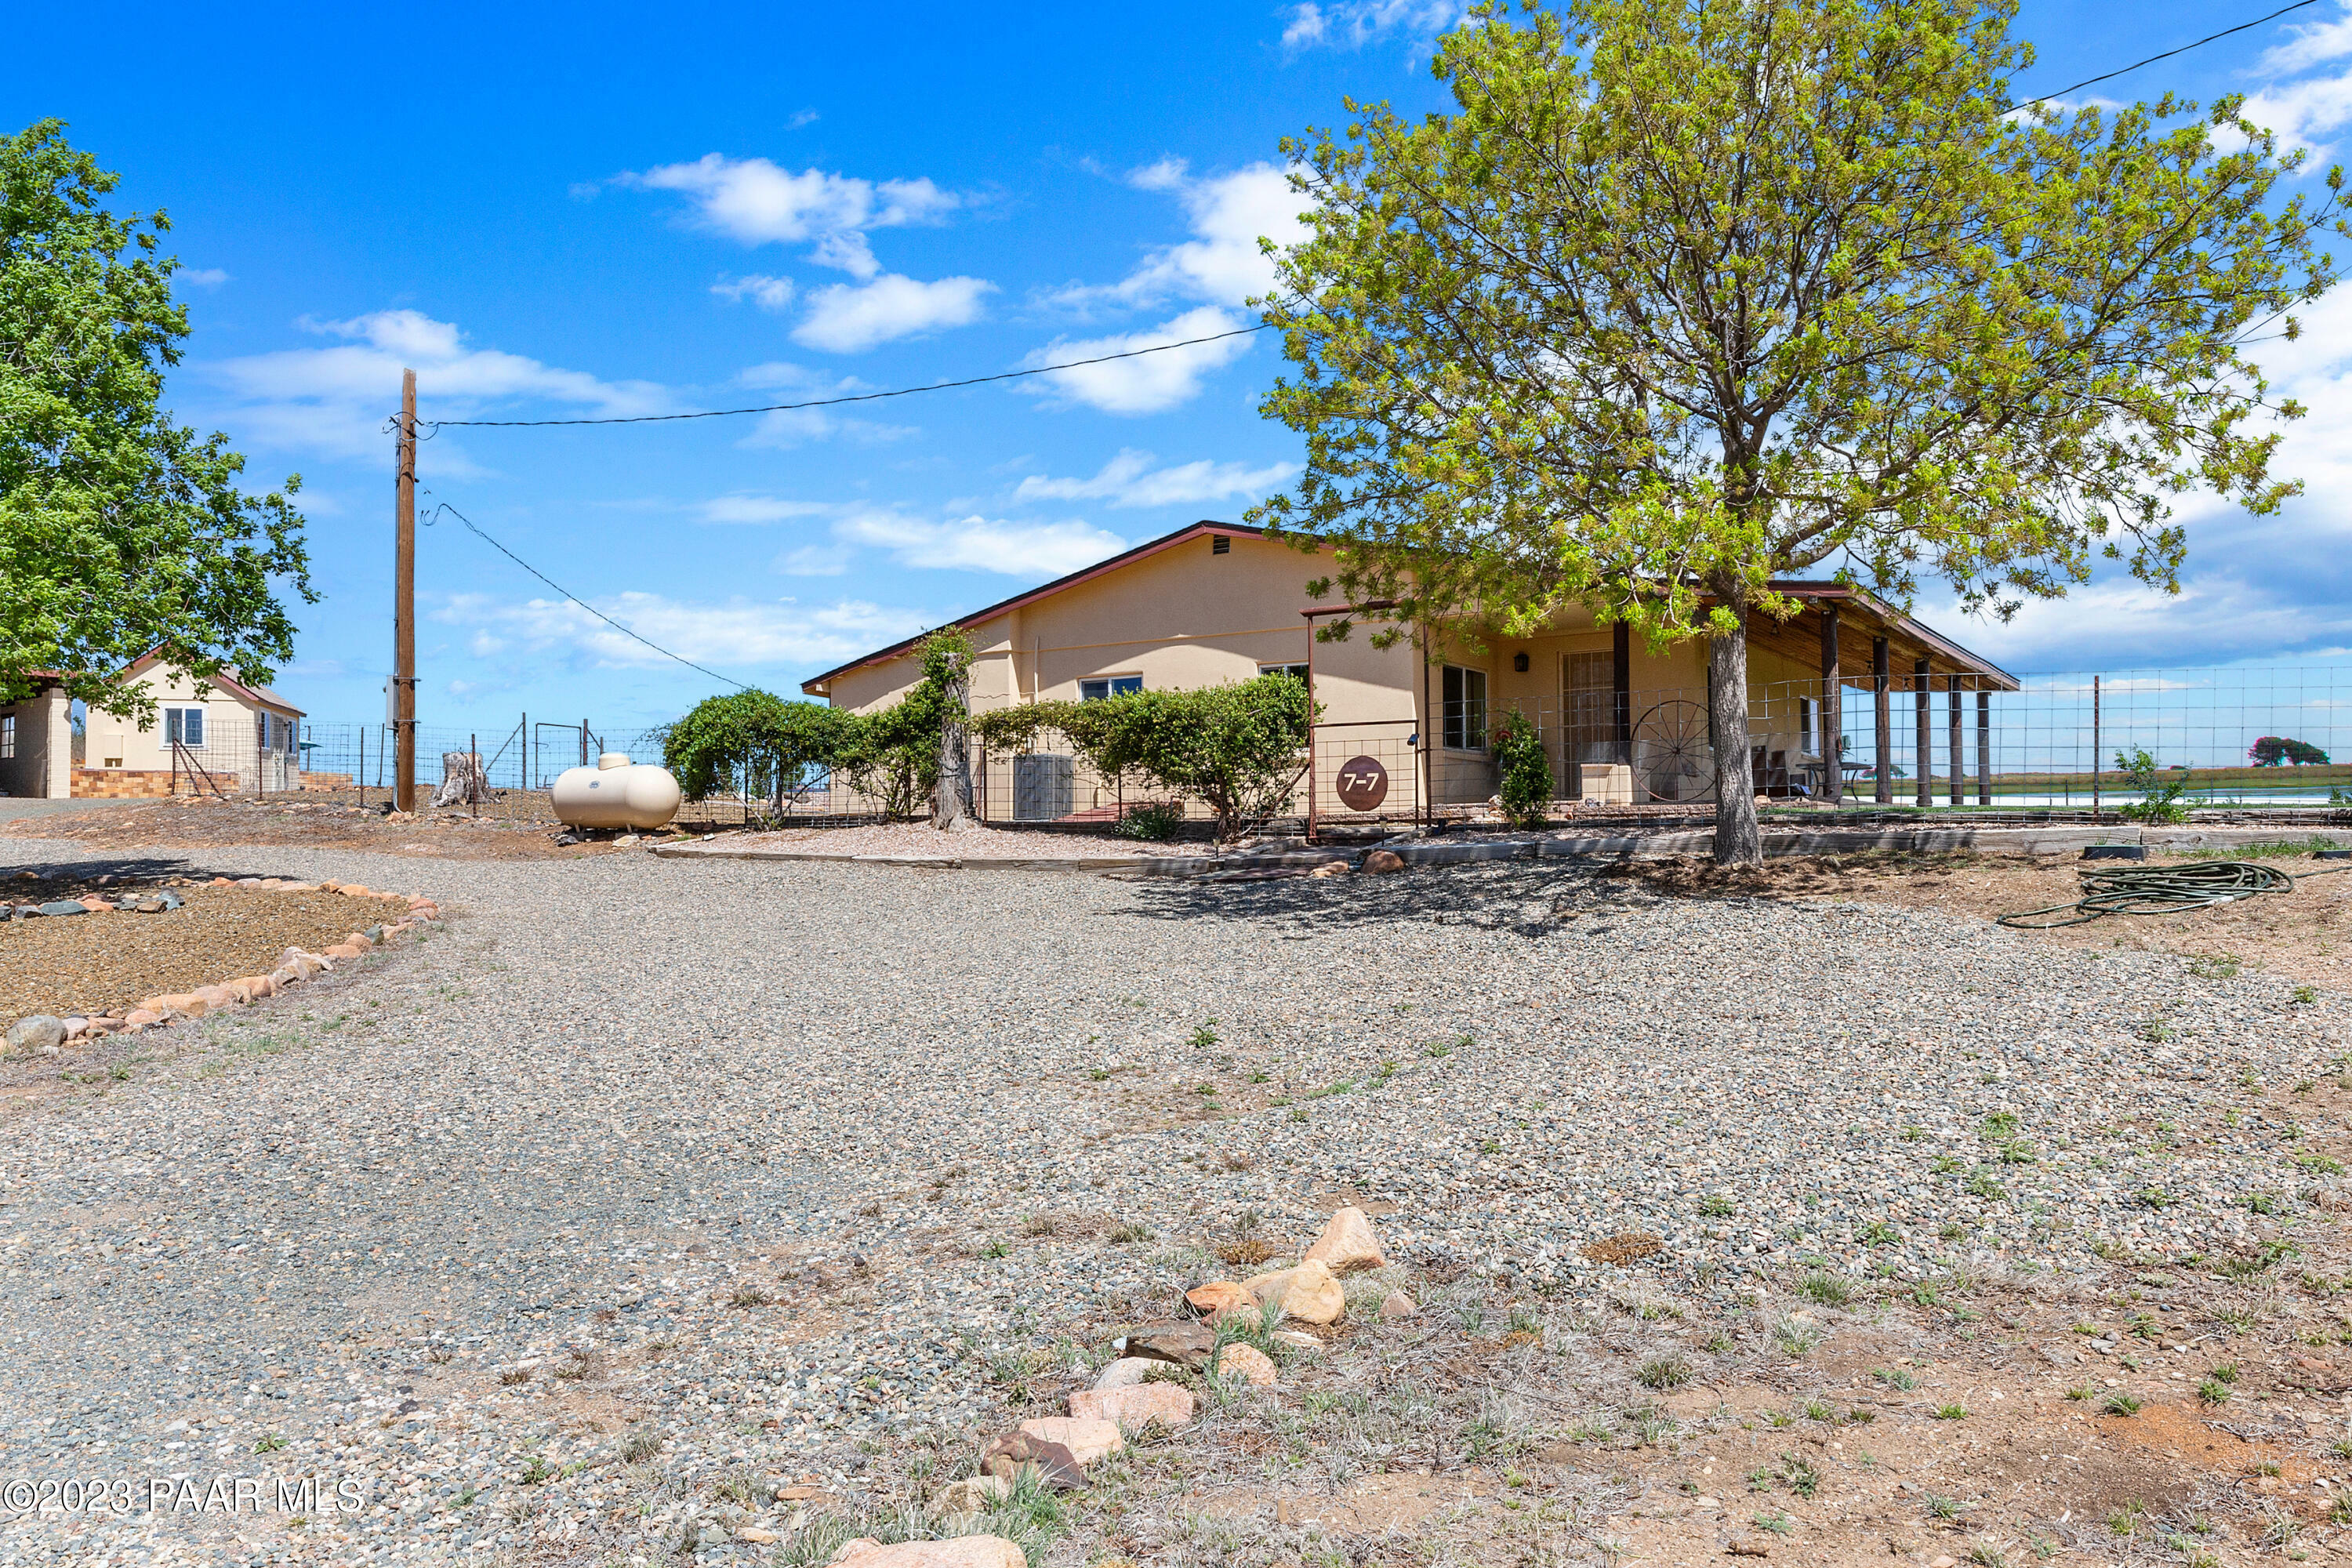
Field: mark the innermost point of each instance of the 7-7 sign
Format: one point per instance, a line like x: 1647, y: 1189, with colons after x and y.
x: 1363, y: 783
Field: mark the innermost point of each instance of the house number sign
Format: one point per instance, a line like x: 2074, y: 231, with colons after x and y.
x: 1363, y: 783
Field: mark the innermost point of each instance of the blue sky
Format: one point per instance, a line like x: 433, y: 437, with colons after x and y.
x: 583, y: 211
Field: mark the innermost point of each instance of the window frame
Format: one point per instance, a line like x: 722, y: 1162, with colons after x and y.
x: 1454, y: 731
x: 7, y: 736
x: 1126, y: 685
x: 175, y: 727
x: 1295, y: 671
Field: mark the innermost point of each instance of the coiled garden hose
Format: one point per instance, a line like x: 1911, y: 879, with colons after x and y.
x: 2162, y: 890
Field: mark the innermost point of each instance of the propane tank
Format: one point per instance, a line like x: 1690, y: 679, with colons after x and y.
x: 615, y: 793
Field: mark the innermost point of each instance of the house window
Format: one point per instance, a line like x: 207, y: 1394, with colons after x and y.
x: 185, y: 725
x: 1808, y: 722
x: 7, y: 735
x: 1465, y: 698
x: 1109, y: 686
x: 1296, y: 671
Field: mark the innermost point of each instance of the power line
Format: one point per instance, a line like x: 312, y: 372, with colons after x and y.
x: 863, y: 396
x: 2167, y: 54
x: 576, y: 599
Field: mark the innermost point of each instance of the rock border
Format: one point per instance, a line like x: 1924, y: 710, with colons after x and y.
x: 48, y: 1036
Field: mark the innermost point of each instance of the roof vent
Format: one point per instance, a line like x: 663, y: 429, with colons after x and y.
x: 1221, y: 544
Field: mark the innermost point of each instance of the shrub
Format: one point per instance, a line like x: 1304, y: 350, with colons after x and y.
x: 1154, y: 822
x: 753, y: 741
x: 2160, y: 792
x: 1525, y: 768
x: 1240, y: 750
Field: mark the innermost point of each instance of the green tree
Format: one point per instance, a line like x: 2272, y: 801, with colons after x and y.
x: 1240, y: 750
x: 1688, y: 295
x: 120, y: 530
x: 755, y: 742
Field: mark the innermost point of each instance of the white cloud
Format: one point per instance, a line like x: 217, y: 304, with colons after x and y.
x: 803, y: 117
x: 2304, y: 108
x: 1352, y: 23
x: 744, y: 507
x: 201, y: 277
x: 847, y: 318
x: 1131, y: 481
x: 815, y: 561
x: 979, y: 543
x: 1148, y: 384
x: 1221, y: 263
x: 768, y: 294
x: 335, y: 400
x: 758, y: 203
x: 731, y: 636
x: 797, y: 426
x: 850, y: 252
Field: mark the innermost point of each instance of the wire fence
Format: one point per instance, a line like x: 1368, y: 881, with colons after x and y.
x: 2248, y: 739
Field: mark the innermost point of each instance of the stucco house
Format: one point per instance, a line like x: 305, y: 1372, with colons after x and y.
x: 1403, y: 731
x: 36, y: 742
x: 238, y: 737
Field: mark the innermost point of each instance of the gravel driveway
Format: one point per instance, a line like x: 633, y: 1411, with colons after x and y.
x: 647, y: 1189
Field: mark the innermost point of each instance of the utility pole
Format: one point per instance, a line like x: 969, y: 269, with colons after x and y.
x: 404, y: 605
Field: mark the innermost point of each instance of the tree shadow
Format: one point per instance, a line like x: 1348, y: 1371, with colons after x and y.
x: 129, y: 870
x: 1527, y: 898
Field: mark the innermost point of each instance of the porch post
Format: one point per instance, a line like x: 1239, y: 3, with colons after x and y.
x: 1881, y: 681
x: 1984, y: 747
x: 1620, y: 680
x: 1925, y: 725
x: 1832, y: 708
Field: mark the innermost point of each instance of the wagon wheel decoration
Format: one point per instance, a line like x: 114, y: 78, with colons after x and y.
x: 1671, y: 757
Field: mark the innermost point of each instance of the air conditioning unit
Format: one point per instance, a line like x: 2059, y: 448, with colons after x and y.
x: 1043, y: 784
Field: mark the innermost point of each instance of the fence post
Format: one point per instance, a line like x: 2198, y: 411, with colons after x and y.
x: 361, y: 774
x: 1922, y: 722
x: 1310, y: 731
x: 2094, y: 748
x: 475, y: 784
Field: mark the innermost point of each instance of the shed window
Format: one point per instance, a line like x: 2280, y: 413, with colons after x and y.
x: 7, y: 735
x: 185, y: 725
x: 1108, y: 685
x: 1464, y: 699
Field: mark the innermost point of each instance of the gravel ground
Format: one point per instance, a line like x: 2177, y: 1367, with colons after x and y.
x: 971, y: 843
x: 649, y: 1189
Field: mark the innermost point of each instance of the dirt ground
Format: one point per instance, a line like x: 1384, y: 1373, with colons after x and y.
x: 208, y: 823
x: 81, y: 965
x: 2305, y: 935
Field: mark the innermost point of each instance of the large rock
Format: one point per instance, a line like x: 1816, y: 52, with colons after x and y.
x: 1186, y: 1344
x: 1397, y: 1304
x: 1348, y: 1243
x: 1219, y: 1295
x: 38, y: 1033
x: 963, y: 1552
x: 974, y: 1494
x: 63, y: 907
x: 1247, y: 1362
x: 1055, y: 1466
x: 1137, y: 1406
x: 1309, y: 1292
x: 1382, y: 862
x: 1086, y: 1440
x: 1127, y: 1371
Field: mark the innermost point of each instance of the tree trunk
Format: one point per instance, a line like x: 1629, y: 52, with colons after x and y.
x: 1738, y: 840
x: 951, y: 799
